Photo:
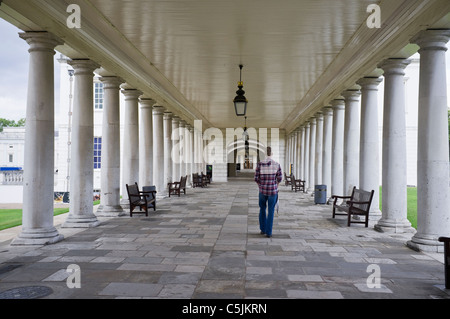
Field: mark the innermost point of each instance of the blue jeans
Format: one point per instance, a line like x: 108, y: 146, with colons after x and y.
x: 266, y: 222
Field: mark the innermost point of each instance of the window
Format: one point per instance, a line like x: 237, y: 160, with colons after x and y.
x: 98, y: 96
x: 11, y: 158
x: 97, y: 152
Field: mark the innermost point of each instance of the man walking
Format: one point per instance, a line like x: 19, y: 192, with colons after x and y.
x: 267, y: 176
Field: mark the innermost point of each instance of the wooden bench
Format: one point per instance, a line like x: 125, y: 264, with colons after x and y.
x: 287, y: 180
x: 356, y: 204
x: 205, y: 178
x: 175, y: 188
x: 297, y: 184
x: 143, y: 200
x: 151, y: 192
x: 446, y: 241
x: 198, y: 180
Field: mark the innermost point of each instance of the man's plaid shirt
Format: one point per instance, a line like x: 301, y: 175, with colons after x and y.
x: 268, y: 175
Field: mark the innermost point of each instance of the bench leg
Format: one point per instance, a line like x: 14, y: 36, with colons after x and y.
x: 447, y: 264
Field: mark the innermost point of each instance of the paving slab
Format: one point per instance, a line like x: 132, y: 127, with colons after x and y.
x: 206, y: 245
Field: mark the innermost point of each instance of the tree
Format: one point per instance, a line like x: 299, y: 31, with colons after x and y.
x: 11, y: 123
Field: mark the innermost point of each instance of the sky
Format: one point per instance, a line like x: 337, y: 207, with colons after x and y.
x: 14, y: 63
x: 14, y: 73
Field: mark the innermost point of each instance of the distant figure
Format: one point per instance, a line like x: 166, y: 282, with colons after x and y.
x: 267, y: 176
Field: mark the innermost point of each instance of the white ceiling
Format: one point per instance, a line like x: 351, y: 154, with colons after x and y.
x: 297, y: 54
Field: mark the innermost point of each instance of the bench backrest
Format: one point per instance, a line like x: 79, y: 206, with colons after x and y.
x: 183, y: 181
x: 133, y: 192
x: 359, y: 195
x: 150, y: 189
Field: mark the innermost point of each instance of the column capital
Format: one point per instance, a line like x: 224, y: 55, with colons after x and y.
x: 175, y: 119
x: 182, y: 123
x: 111, y: 82
x: 369, y: 83
x: 146, y: 102
x: 158, y: 110
x: 168, y: 115
x: 83, y: 66
x: 394, y: 66
x: 338, y: 104
x: 131, y: 94
x: 351, y: 95
x: 319, y: 116
x: 432, y: 39
x: 41, y: 40
x: 327, y: 110
x: 312, y: 120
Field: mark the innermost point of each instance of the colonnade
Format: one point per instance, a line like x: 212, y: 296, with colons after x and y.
x: 331, y: 147
x: 345, y: 153
x: 159, y: 147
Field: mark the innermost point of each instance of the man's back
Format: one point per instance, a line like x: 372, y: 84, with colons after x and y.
x: 267, y: 176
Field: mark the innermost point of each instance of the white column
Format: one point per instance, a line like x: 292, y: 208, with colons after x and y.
x: 187, y: 153
x: 298, y: 153
x: 306, y: 168
x: 175, y: 149
x: 351, y: 140
x: 182, y: 147
x: 146, y: 142
x: 312, y: 155
x: 302, y: 153
x: 369, y: 157
x: 37, y: 214
x: 337, y: 160
x: 327, y: 148
x: 158, y: 151
x: 130, y: 153
x: 110, y: 173
x: 168, y: 163
x: 198, y: 150
x: 288, y: 153
x: 192, y: 151
x: 294, y: 151
x: 394, y: 210
x: 81, y: 209
x: 319, y: 147
x: 433, y: 192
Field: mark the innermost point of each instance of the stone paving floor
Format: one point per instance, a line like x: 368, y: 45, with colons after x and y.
x: 206, y: 244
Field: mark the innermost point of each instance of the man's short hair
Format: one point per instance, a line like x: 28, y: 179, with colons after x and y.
x: 269, y: 151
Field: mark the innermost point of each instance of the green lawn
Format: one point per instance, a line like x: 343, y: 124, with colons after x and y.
x: 412, y: 205
x: 13, y: 217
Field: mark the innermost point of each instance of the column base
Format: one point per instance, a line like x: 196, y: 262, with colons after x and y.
x: 426, y: 243
x: 375, y: 215
x: 110, y: 211
x: 38, y: 236
x: 80, y: 222
x: 394, y: 226
x: 163, y: 194
x: 125, y: 204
